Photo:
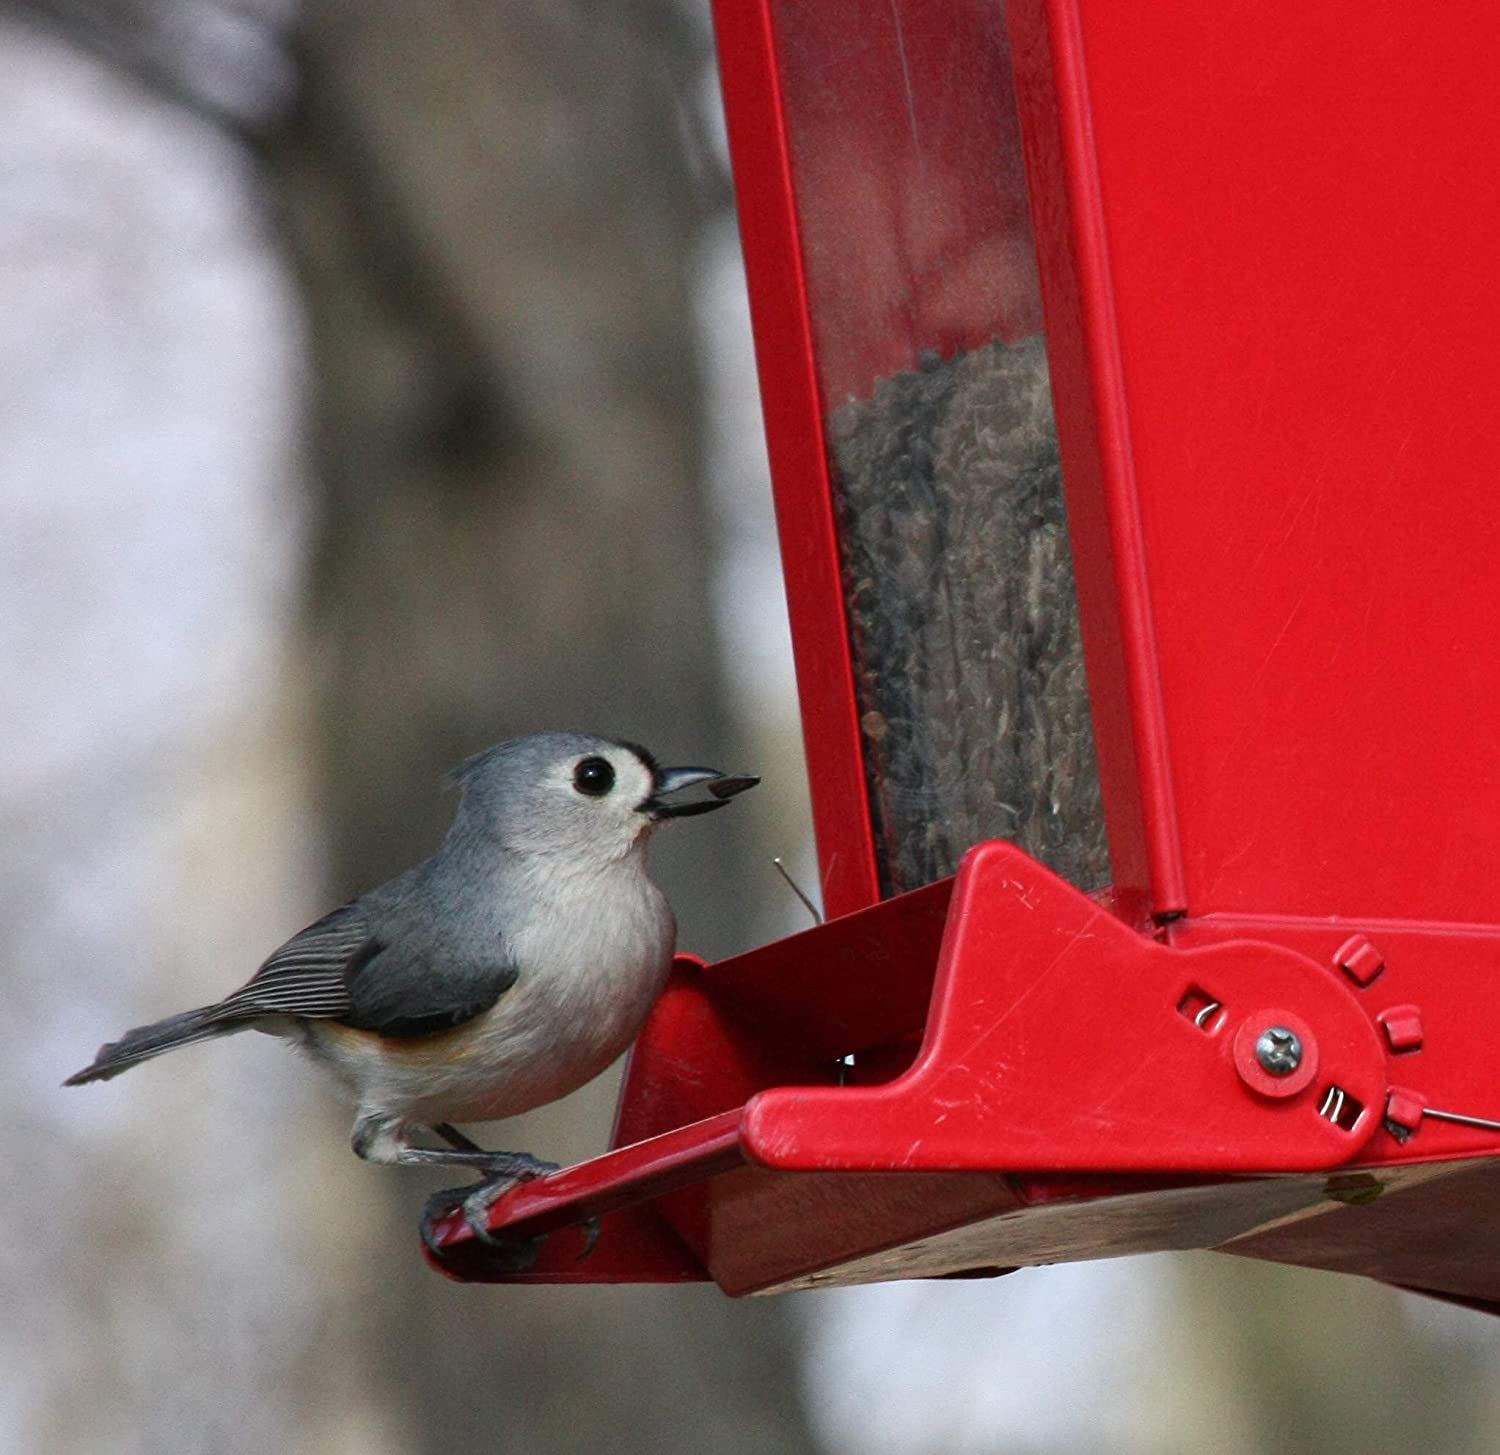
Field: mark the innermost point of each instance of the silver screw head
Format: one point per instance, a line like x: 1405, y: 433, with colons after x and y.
x: 1279, y: 1050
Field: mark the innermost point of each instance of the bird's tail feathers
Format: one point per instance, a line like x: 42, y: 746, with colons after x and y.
x: 144, y: 1042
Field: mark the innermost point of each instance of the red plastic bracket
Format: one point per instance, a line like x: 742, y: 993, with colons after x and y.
x: 1058, y: 1040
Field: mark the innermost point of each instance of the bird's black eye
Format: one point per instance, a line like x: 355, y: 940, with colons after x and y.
x: 594, y: 777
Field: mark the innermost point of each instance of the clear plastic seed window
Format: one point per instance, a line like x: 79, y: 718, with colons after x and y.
x: 964, y: 617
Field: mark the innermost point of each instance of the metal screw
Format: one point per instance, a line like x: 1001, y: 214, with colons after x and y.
x: 1279, y: 1050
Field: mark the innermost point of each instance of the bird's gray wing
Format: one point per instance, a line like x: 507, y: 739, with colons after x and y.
x: 310, y: 974
x: 373, y: 978
x: 407, y: 989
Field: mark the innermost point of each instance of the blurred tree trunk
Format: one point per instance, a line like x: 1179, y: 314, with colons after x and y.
x: 494, y: 217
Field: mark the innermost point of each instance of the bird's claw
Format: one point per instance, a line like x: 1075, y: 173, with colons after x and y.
x: 516, y: 1254
x: 590, y: 1226
x: 475, y: 1203
x: 437, y: 1207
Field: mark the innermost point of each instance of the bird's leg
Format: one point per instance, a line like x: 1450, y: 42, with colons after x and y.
x: 455, y: 1138
x: 383, y: 1139
x: 511, y: 1166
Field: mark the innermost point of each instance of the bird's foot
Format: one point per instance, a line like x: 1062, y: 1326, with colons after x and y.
x: 475, y: 1201
x: 506, y: 1169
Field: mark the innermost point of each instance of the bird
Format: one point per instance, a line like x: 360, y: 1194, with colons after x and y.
x: 501, y: 973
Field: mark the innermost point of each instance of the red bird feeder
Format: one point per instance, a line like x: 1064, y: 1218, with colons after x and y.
x: 1260, y: 246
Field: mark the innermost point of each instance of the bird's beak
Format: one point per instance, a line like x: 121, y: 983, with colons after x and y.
x: 670, y: 782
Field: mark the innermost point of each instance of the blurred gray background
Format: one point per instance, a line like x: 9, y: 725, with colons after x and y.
x: 375, y: 383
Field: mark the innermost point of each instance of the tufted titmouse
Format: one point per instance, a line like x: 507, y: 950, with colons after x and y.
x: 504, y: 972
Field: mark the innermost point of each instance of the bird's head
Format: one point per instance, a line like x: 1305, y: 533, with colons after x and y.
x: 575, y: 794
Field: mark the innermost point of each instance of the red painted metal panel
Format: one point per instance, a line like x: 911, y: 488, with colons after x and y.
x: 794, y: 436
x: 1303, y: 214
x: 1098, y: 468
